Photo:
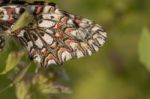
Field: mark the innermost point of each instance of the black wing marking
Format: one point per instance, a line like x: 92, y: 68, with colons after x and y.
x: 2, y: 42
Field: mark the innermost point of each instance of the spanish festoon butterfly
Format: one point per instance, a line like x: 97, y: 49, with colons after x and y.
x: 54, y: 35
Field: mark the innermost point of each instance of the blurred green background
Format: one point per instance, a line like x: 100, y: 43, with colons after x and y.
x: 115, y: 72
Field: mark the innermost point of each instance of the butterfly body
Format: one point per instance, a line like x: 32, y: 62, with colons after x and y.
x: 54, y: 36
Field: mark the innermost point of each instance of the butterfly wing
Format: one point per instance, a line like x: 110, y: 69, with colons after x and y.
x: 56, y: 36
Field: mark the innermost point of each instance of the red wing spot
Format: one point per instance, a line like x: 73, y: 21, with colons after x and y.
x: 44, y: 51
x: 59, y: 34
x: 61, y: 50
x: 54, y: 45
x: 58, y: 26
x: 69, y: 30
x: 10, y: 12
x: 68, y: 41
x: 78, y: 21
x: 32, y: 52
x: 64, y: 19
x: 39, y: 9
x: 49, y: 57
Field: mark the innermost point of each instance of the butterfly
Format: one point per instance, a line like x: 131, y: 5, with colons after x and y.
x: 54, y: 35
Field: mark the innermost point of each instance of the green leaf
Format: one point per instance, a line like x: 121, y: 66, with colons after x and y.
x: 18, y: 78
x: 23, y: 21
x: 144, y: 48
x: 22, y: 90
x: 51, y: 88
x: 21, y: 74
x: 12, y: 60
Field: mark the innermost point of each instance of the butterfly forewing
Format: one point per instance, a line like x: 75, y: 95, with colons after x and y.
x: 55, y: 36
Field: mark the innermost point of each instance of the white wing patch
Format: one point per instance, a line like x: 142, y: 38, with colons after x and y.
x: 48, y: 39
x: 46, y: 24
